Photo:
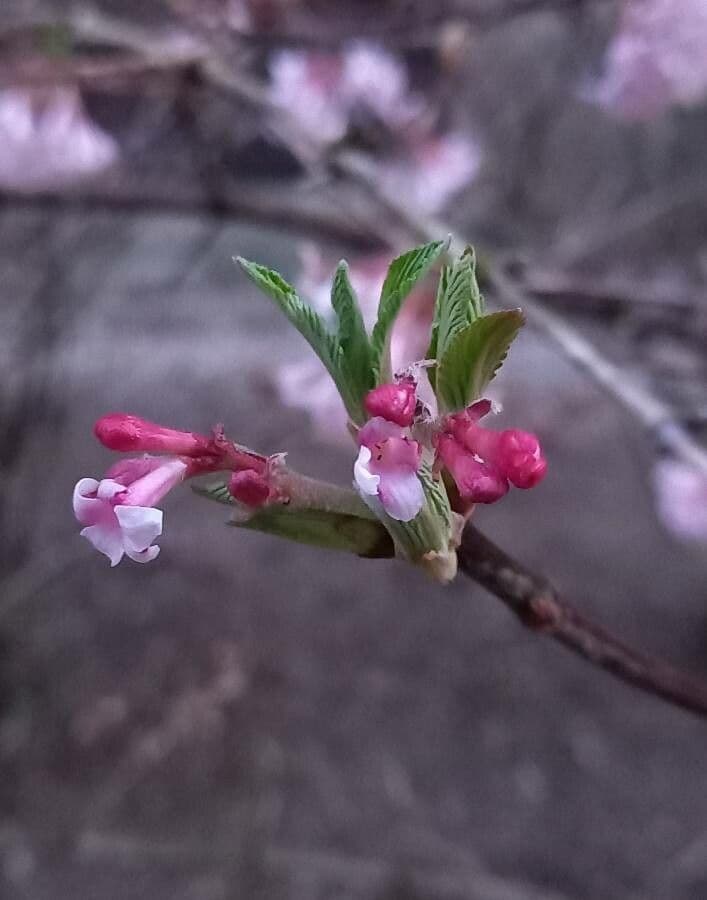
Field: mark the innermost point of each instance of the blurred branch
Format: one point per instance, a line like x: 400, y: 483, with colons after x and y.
x: 294, y: 206
x: 538, y: 606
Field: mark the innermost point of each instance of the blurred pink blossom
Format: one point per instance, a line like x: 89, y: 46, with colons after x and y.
x: 681, y: 499
x: 656, y: 59
x: 322, y: 90
x: 47, y: 140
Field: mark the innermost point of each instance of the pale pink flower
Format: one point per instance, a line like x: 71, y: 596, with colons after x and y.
x: 307, y: 87
x: 656, y: 59
x: 118, y: 512
x: 681, y: 499
x: 47, y: 140
x: 386, y: 469
x: 323, y: 91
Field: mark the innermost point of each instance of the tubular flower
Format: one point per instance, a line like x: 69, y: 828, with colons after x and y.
x: 118, y: 513
x: 482, y: 462
x: 386, y: 469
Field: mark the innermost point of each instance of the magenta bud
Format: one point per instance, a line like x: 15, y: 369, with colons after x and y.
x: 476, y: 481
x: 393, y: 402
x: 127, y: 433
x: 520, y: 458
x: 249, y: 487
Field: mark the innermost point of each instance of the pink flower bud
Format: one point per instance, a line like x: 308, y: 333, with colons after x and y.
x: 477, y: 481
x: 249, y: 487
x: 394, y: 402
x: 515, y: 454
x: 127, y: 433
x: 520, y: 458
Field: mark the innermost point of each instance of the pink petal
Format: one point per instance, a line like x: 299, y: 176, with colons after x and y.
x: 151, y: 488
x: 401, y: 494
x: 378, y: 429
x: 107, y: 539
x: 107, y: 489
x: 395, y: 454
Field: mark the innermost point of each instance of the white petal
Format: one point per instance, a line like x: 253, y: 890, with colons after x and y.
x: 365, y: 480
x: 107, y: 539
x: 402, y: 495
x: 140, y: 525
x: 144, y: 556
x: 86, y: 508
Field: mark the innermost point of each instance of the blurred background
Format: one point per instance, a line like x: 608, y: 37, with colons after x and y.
x: 251, y: 718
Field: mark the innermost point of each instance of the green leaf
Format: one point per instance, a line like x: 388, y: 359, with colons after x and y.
x: 458, y: 304
x: 353, y: 340
x: 473, y: 357
x: 461, y: 302
x: 306, y: 320
x: 403, y: 274
x: 320, y: 528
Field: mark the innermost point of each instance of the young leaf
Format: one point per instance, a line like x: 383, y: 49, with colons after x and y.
x: 320, y: 528
x: 403, y: 274
x: 461, y: 301
x: 353, y: 340
x: 308, y: 322
x: 473, y: 357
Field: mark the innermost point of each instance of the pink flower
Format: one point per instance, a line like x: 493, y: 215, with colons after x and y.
x: 386, y: 469
x: 476, y: 481
x: 118, y: 512
x: 482, y: 462
x: 394, y: 402
x: 515, y: 454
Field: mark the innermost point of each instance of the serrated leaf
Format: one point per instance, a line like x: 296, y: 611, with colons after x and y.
x: 320, y: 528
x: 355, y: 346
x: 404, y: 273
x: 473, y: 357
x: 458, y: 303
x: 461, y: 302
x: 306, y: 320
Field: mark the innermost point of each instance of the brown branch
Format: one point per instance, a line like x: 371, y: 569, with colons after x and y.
x: 536, y: 603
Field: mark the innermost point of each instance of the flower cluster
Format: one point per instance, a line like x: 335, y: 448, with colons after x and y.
x: 481, y: 462
x: 424, y: 459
